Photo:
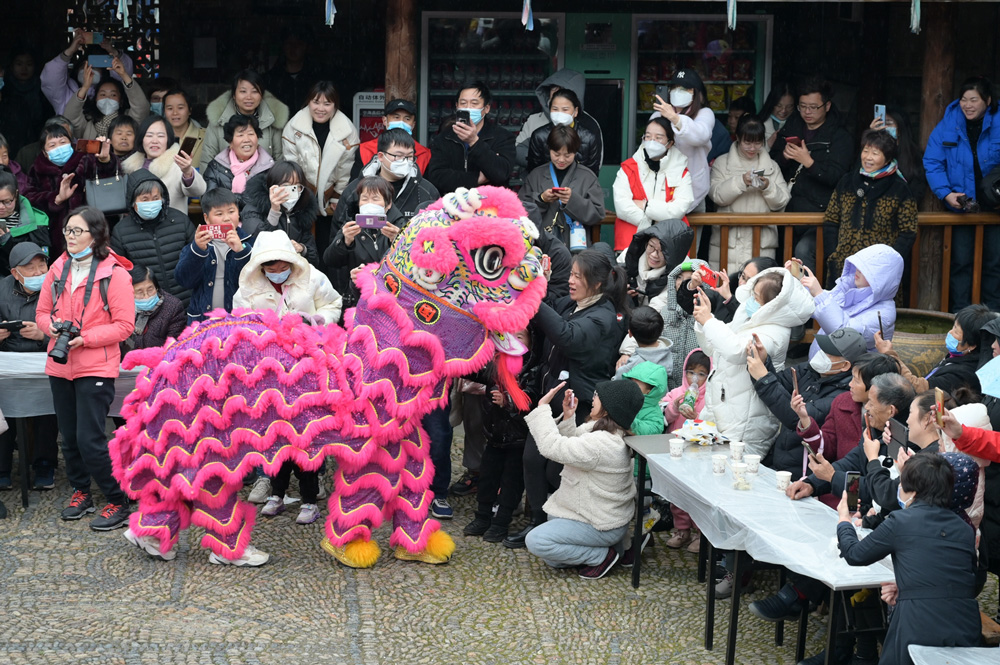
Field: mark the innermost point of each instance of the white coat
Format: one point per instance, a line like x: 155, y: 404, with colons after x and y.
x: 328, y: 170
x: 693, y: 137
x: 164, y: 168
x: 673, y: 173
x: 306, y: 291
x: 730, y: 399
x: 731, y: 194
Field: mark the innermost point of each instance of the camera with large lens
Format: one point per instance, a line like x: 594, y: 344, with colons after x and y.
x: 66, y: 332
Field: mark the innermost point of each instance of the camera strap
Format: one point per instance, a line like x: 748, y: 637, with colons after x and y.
x: 60, y: 284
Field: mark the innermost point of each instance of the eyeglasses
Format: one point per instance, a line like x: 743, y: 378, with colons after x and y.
x: 812, y: 108
x: 6, y: 203
x: 397, y: 158
x: 74, y: 231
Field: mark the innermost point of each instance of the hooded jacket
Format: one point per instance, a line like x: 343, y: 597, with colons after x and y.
x: 33, y: 226
x: 17, y: 304
x: 218, y: 173
x: 731, y: 194
x: 660, y: 354
x: 586, y: 204
x: 164, y: 168
x: 454, y: 164
x: 730, y: 400
x: 369, y: 246
x: 668, y: 191
x: 307, y: 291
x: 832, y: 150
x: 102, y: 329
x: 328, y: 166
x: 564, y: 78
x: 948, y: 158
x: 156, y: 243
x: 671, y: 413
x: 650, y: 417
x: 297, y: 223
x: 271, y: 116
x: 675, y: 238
x: 846, y: 306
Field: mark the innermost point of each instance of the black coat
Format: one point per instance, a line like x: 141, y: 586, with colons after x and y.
x: 298, y: 223
x: 721, y: 309
x: 504, y: 426
x: 956, y: 371
x: 454, y: 165
x: 156, y: 243
x: 675, y: 238
x: 562, y: 264
x: 832, y: 149
x: 16, y: 304
x: 934, y: 557
x: 369, y: 246
x: 591, y: 144
x: 169, y: 318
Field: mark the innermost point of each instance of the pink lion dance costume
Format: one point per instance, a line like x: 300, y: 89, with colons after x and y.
x: 246, y: 390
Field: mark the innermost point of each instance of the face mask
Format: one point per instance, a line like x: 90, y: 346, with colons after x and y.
x: 148, y: 209
x: 148, y: 304
x: 371, y: 209
x: 400, y: 168
x: 778, y: 122
x: 751, y: 307
x: 107, y: 106
x: 560, y: 118
x: 156, y: 107
x: 821, y: 362
x: 681, y: 98
x: 475, y: 115
x: 293, y: 198
x: 951, y: 343
x: 899, y: 497
x: 83, y: 253
x: 34, y: 283
x: 60, y: 155
x: 279, y: 277
x: 399, y: 124
x: 654, y: 149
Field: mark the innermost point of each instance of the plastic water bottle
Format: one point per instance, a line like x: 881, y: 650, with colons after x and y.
x: 691, y: 396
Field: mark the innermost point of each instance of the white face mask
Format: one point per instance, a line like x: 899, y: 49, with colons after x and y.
x: 821, y: 362
x: 107, y: 106
x: 681, y: 98
x: 560, y: 118
x: 293, y: 198
x: 654, y: 149
x: 401, y: 168
x: 371, y: 209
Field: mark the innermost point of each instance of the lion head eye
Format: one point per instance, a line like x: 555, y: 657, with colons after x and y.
x: 489, y: 261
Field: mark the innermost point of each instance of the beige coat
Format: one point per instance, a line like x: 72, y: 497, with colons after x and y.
x: 731, y: 194
x: 271, y: 116
x: 164, y: 168
x: 330, y: 171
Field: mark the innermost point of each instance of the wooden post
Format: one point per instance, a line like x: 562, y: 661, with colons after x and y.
x: 938, y: 84
x: 400, y: 50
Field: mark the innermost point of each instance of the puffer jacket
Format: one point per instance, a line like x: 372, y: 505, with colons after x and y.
x: 563, y: 78
x: 17, y: 304
x: 591, y: 143
x: 271, y: 116
x: 369, y: 246
x: 297, y: 223
x: 219, y: 174
x: 586, y: 204
x: 847, y: 306
x: 597, y: 487
x: 307, y: 291
x: 168, y: 319
x: 669, y: 193
x: 730, y: 399
x: 650, y: 418
x: 327, y: 167
x: 671, y: 411
x: 155, y: 243
x: 164, y: 168
x: 948, y: 158
x: 102, y: 329
x: 196, y: 271
x: 731, y: 194
x: 675, y: 238
x: 33, y: 226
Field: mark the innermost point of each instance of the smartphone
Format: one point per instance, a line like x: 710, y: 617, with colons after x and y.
x: 939, y: 402
x: 88, y: 146
x: 758, y: 173
x: 880, y: 330
x: 796, y: 268
x: 809, y: 450
x: 559, y: 189
x: 853, y: 488
x: 546, y: 263
x: 880, y: 113
x: 795, y: 380
x: 794, y: 140
x: 899, y: 434
x: 11, y: 326
x: 218, y: 231
x: 708, y: 276
x: 572, y: 399
x: 463, y: 116
x: 99, y: 61
x: 93, y: 37
x: 370, y: 221
x: 188, y: 144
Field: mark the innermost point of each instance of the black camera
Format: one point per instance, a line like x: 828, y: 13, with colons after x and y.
x: 66, y: 332
x: 967, y: 204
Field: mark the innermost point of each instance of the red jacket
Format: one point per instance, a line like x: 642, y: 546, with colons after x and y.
x: 102, y: 331
x: 979, y: 443
x: 840, y: 434
x: 369, y: 149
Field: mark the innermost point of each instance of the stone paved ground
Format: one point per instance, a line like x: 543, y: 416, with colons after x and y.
x: 70, y: 595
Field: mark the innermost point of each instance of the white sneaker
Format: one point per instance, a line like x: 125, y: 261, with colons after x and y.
x: 323, y: 492
x: 275, y: 505
x: 308, y: 513
x: 150, y: 546
x: 261, y: 490
x: 251, y: 557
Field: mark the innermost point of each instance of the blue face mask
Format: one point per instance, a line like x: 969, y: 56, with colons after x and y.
x: 475, y: 115
x: 156, y: 107
x: 399, y: 124
x: 778, y: 122
x: 148, y: 209
x: 892, y: 131
x: 951, y: 343
x: 34, y: 283
x: 279, y: 277
x: 751, y: 307
x: 60, y: 155
x: 83, y: 253
x: 148, y: 304
x: 899, y: 498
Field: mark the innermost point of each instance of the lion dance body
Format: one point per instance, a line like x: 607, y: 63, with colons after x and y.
x: 246, y: 390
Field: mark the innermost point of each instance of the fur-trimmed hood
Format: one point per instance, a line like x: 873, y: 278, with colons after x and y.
x: 271, y: 112
x: 159, y: 167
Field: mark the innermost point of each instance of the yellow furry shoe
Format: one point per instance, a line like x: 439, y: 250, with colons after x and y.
x: 439, y: 549
x: 356, y: 554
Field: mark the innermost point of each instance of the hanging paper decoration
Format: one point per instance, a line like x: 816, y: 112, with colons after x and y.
x: 915, y: 17
x: 122, y: 12
x: 527, y: 18
x: 731, y: 13
x: 331, y: 12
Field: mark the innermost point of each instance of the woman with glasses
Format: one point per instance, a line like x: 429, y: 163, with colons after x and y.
x: 746, y: 180
x: 281, y: 202
x: 777, y: 109
x: 19, y: 222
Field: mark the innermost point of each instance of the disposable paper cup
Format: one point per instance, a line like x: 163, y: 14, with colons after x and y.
x: 719, y: 465
x: 739, y: 471
x: 784, y: 479
x: 736, y: 450
x: 676, y: 447
x: 753, y: 464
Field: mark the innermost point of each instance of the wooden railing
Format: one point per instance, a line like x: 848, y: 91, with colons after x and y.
x: 786, y: 222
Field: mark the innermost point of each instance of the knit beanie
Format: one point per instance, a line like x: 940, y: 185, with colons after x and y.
x: 622, y: 399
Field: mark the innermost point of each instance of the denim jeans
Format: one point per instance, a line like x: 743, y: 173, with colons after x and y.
x: 562, y: 543
x: 438, y: 427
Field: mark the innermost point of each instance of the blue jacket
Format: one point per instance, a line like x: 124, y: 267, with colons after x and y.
x: 196, y: 271
x: 948, y: 158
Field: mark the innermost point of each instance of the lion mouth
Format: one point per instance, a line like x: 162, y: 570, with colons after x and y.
x: 508, y: 344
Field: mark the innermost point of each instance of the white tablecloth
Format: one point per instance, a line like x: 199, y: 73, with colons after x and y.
x: 24, y: 386
x: 799, y: 535
x: 954, y: 656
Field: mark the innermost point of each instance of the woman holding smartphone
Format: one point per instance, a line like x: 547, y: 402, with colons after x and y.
x: 281, y: 201
x: 157, y: 152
